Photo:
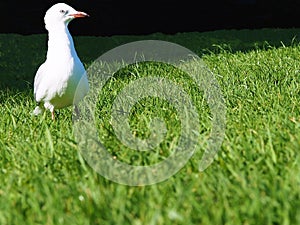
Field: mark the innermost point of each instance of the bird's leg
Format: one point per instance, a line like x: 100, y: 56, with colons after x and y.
x: 53, y: 115
x: 77, y: 113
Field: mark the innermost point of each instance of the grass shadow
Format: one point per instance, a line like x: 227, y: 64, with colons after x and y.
x: 20, y: 56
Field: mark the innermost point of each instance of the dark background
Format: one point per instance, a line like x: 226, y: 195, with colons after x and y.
x: 114, y: 17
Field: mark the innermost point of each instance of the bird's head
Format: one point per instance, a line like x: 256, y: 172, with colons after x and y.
x: 61, y: 14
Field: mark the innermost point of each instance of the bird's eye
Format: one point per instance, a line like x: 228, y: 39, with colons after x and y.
x: 63, y: 11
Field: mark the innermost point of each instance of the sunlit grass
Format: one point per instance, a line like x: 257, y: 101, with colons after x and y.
x: 255, y: 178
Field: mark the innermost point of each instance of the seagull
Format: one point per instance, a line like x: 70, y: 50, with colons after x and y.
x: 61, y: 81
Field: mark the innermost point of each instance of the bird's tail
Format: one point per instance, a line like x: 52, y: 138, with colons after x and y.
x: 38, y: 110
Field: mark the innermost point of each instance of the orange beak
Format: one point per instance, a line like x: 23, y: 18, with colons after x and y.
x: 80, y: 15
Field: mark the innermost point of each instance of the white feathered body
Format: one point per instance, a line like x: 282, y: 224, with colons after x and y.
x: 61, y: 80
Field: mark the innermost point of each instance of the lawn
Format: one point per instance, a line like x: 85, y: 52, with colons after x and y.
x: 254, y: 179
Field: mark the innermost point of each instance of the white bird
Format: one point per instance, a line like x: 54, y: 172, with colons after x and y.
x: 61, y: 81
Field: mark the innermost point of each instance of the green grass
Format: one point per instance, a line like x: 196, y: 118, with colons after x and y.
x: 255, y: 178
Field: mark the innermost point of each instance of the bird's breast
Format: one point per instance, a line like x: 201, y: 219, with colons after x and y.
x: 63, y: 79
